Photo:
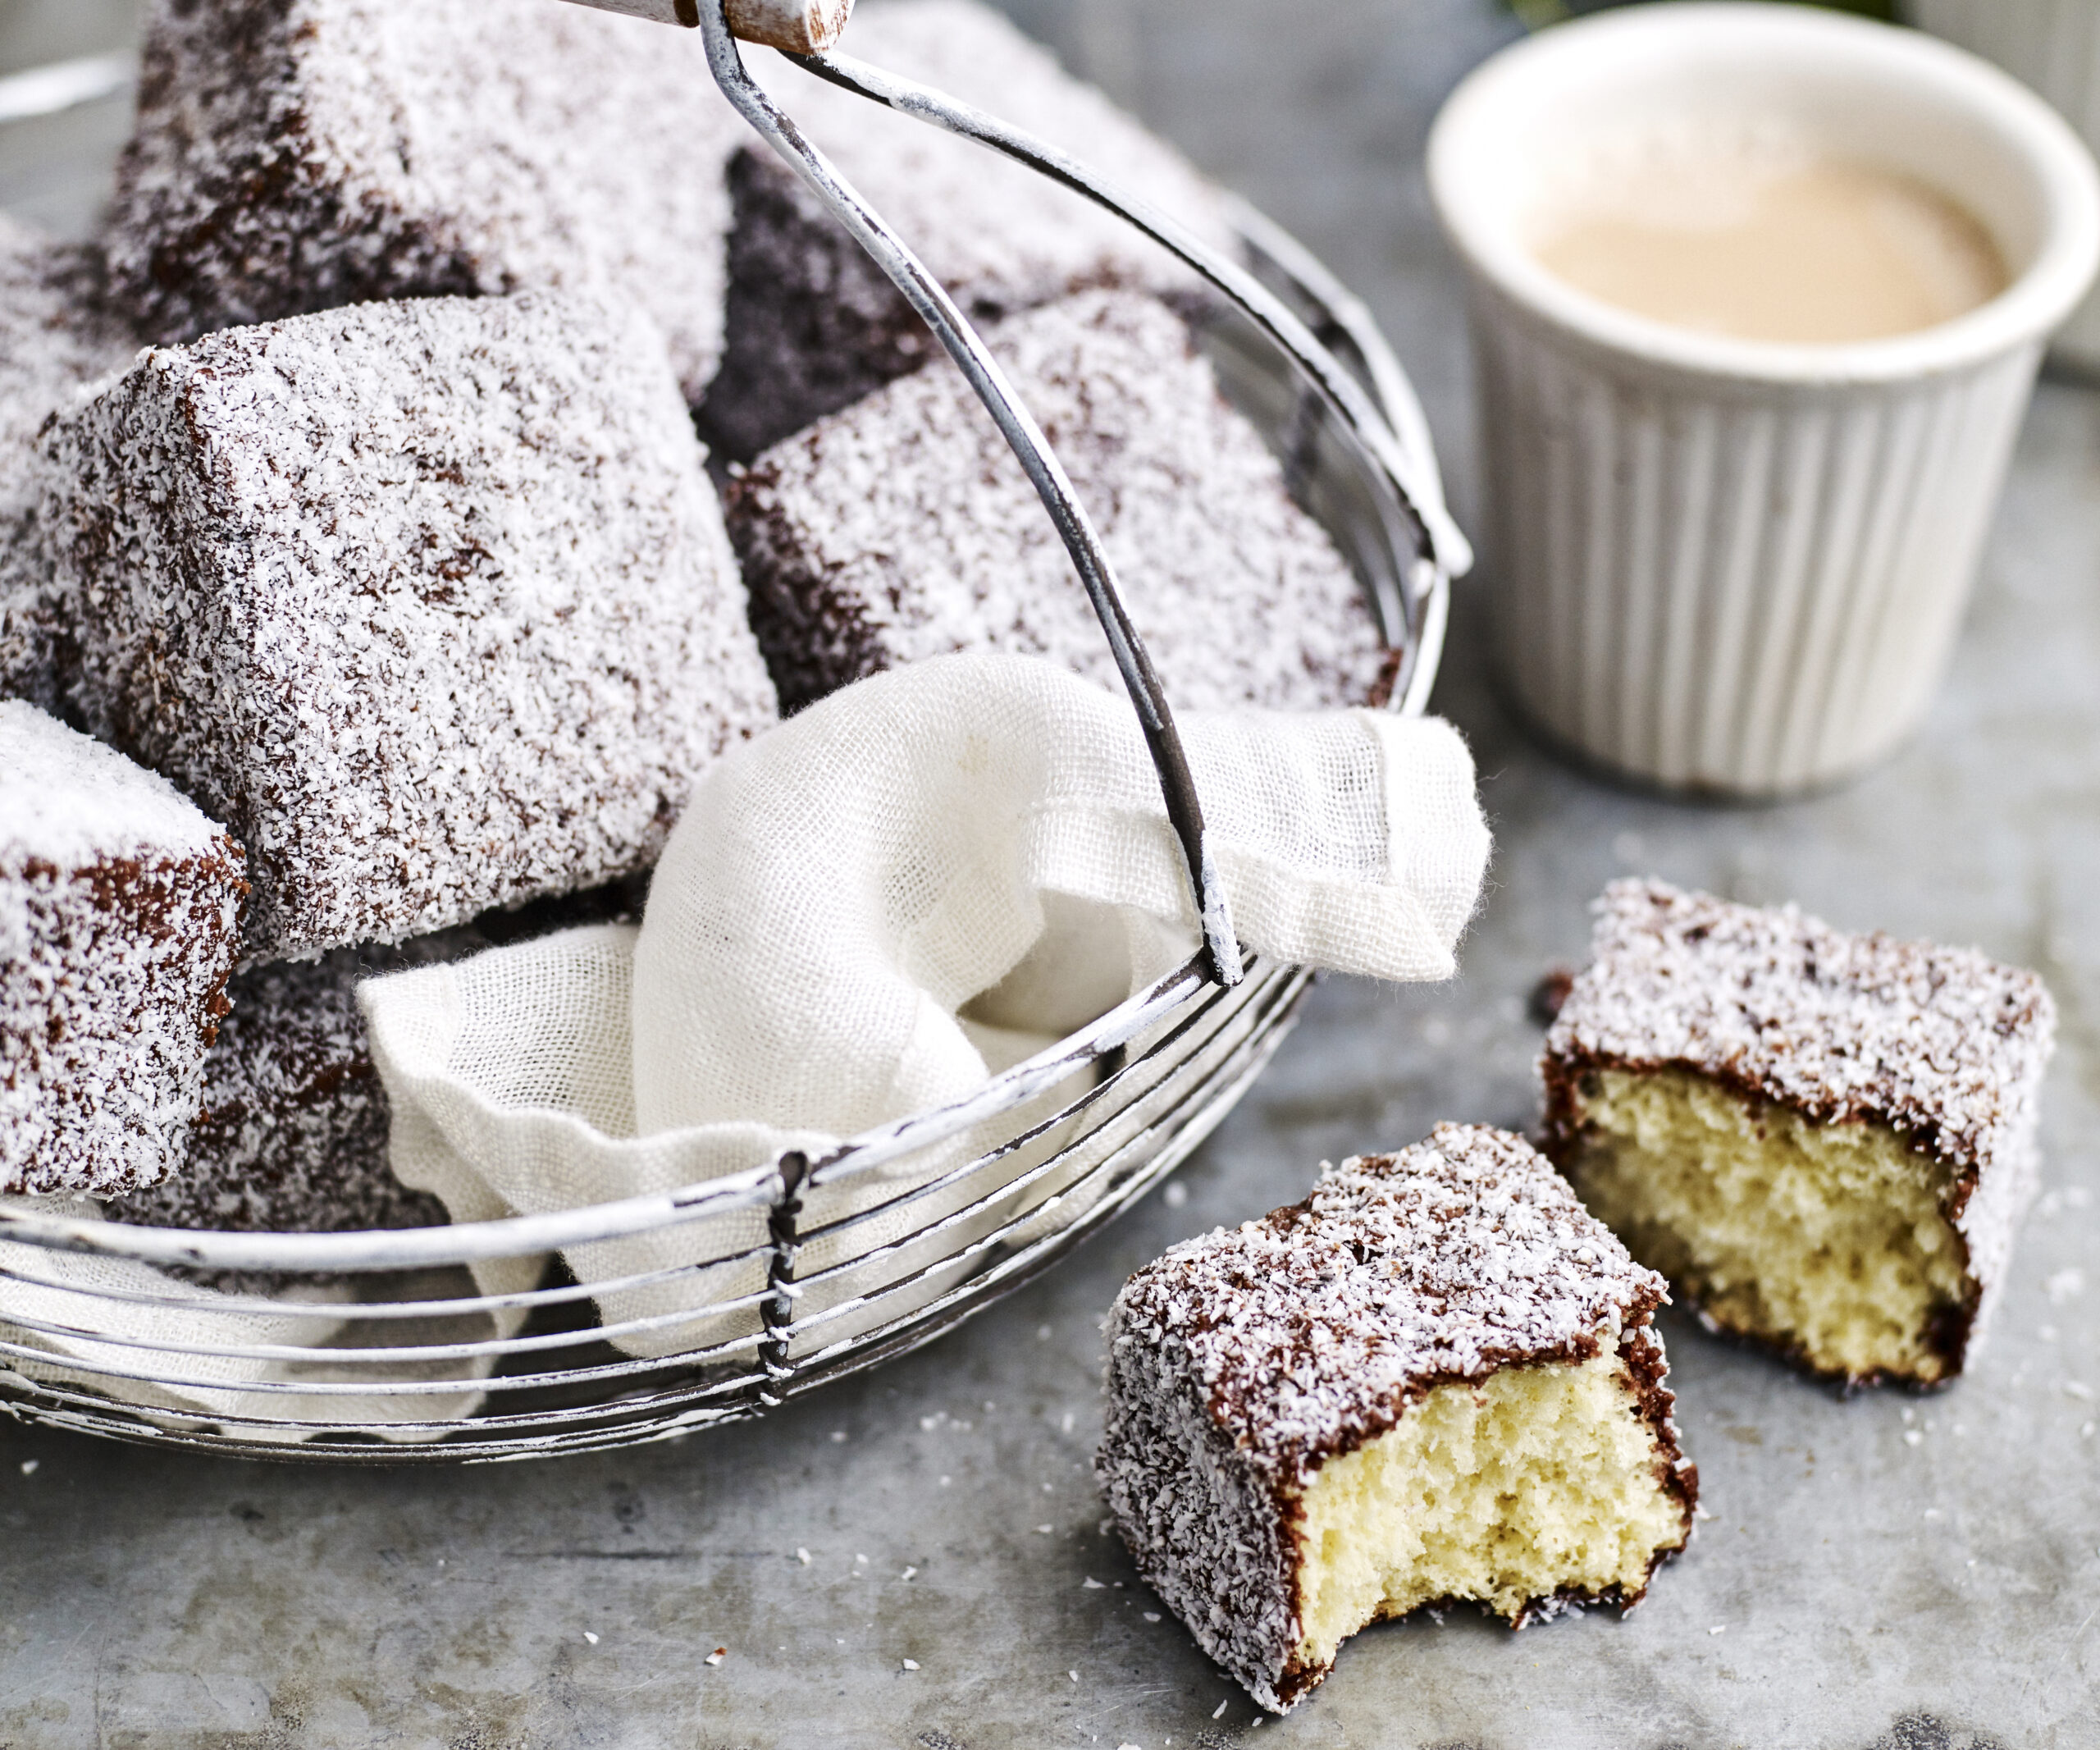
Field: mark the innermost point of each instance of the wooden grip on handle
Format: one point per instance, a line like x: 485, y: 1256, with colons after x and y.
x: 800, y: 27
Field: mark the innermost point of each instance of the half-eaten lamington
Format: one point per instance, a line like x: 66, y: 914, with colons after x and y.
x: 1434, y: 1381
x: 1825, y: 1141
x: 120, y: 919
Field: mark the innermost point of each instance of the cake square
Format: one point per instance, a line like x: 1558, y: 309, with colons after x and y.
x: 292, y: 1136
x: 902, y: 529
x: 1434, y: 1381
x: 119, y: 918
x: 53, y: 340
x: 430, y: 601
x: 298, y: 155
x: 813, y: 325
x: 1825, y: 1141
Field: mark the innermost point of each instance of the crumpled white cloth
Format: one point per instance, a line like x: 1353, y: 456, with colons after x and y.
x: 869, y: 909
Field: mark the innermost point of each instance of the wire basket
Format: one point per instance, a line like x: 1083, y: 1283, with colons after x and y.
x: 471, y: 1343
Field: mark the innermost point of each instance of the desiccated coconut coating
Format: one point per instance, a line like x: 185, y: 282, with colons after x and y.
x: 813, y: 325
x: 431, y: 600
x: 1942, y: 1045
x: 298, y: 155
x: 903, y: 528
x: 119, y: 918
x: 1242, y: 1362
x: 53, y: 338
x: 293, y: 1133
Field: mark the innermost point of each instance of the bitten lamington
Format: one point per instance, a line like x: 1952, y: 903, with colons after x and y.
x: 119, y: 918
x: 1433, y: 1380
x: 1825, y: 1141
x: 430, y: 601
x: 298, y: 155
x: 813, y: 325
x: 903, y: 528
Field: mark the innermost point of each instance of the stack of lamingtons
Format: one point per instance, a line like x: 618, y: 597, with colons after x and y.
x: 464, y: 431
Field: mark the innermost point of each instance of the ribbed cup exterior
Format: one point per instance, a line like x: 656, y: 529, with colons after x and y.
x: 1743, y: 589
x: 2054, y: 47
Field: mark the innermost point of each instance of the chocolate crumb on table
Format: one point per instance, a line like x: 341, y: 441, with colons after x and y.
x: 1825, y: 1141
x: 54, y: 338
x: 298, y: 155
x: 431, y: 601
x: 903, y: 528
x: 813, y: 325
x: 1434, y: 1381
x: 120, y: 919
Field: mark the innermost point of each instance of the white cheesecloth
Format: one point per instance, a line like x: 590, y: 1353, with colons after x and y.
x: 868, y: 910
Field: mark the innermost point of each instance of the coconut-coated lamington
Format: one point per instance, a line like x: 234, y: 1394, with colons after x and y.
x: 1433, y: 1380
x: 298, y: 155
x: 293, y: 1133
x: 1825, y: 1141
x: 903, y: 528
x: 430, y: 601
x: 120, y: 919
x: 53, y: 339
x: 813, y: 324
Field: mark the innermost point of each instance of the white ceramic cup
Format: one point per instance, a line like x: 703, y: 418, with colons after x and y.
x: 2054, y: 46
x: 1731, y: 566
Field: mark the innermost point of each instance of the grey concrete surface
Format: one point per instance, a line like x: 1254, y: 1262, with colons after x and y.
x: 1892, y: 1572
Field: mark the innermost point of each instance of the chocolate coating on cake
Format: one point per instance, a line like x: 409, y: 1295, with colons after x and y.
x: 53, y: 339
x: 1240, y: 1362
x: 813, y: 325
x: 431, y: 600
x: 298, y: 155
x: 1942, y: 1045
x: 903, y: 528
x: 120, y: 919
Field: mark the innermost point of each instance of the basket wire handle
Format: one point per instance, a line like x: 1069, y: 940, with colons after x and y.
x: 1221, y: 950
x: 1440, y: 537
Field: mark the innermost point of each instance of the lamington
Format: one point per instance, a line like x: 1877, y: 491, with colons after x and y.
x: 298, y: 155
x: 54, y: 337
x: 1825, y: 1141
x: 430, y: 601
x: 120, y: 919
x: 1435, y: 1381
x: 813, y: 325
x: 902, y: 529
x: 293, y: 1133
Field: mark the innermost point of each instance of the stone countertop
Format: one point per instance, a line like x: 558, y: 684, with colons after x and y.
x: 1894, y: 1572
